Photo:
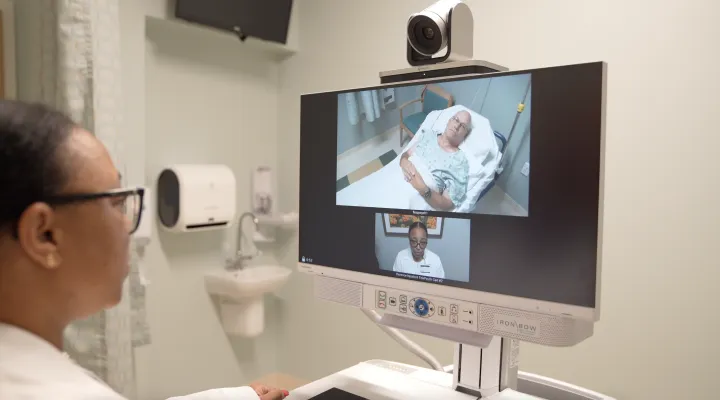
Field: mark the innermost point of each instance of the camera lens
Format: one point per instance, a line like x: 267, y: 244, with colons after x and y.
x: 425, y: 35
x: 429, y: 33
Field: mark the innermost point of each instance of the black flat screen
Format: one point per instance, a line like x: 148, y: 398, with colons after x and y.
x: 489, y: 183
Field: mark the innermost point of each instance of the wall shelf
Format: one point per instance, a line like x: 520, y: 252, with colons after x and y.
x: 268, y: 225
x: 286, y: 221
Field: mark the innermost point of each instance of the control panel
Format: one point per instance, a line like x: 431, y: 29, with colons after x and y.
x: 459, y: 314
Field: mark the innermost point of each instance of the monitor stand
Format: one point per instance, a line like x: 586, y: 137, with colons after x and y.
x: 484, y: 365
x: 485, y: 371
x: 489, y: 368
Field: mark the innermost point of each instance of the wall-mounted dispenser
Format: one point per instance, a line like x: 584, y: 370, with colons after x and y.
x: 193, y: 198
x: 263, y: 182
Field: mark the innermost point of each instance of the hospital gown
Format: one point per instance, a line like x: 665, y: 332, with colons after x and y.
x: 450, y: 170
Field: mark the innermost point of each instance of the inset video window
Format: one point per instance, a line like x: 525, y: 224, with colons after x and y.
x: 428, y: 248
x: 458, y: 146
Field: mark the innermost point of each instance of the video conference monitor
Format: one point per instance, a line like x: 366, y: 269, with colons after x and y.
x: 431, y: 182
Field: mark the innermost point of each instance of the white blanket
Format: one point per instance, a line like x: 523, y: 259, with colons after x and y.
x: 387, y: 188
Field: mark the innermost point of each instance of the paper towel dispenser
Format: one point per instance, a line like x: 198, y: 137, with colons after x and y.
x: 196, y: 197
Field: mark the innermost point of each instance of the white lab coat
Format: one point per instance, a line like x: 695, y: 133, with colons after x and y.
x: 33, y: 369
x: 430, y: 265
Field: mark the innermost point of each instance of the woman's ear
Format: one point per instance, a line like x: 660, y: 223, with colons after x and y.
x: 37, y: 236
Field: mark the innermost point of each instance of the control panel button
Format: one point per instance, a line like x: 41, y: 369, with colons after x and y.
x: 422, y: 308
x: 460, y: 314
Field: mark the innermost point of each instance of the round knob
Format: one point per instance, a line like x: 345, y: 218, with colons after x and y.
x: 421, y: 307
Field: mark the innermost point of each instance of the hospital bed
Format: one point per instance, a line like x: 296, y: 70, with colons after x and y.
x: 502, y: 145
x: 386, y: 188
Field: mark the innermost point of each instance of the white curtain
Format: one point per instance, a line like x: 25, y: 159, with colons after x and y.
x: 80, y: 75
x: 370, y: 104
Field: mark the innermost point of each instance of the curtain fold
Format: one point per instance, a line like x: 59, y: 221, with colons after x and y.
x: 81, y: 75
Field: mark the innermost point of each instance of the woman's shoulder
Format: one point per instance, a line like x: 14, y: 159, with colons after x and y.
x: 429, y: 254
x: 402, y: 253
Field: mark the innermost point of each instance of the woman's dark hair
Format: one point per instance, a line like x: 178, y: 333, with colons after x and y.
x: 417, y: 224
x: 31, y: 136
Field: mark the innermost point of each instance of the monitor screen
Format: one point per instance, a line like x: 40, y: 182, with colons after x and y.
x: 432, y: 182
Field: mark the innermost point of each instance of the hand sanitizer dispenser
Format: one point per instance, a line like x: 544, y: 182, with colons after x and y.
x: 263, y: 191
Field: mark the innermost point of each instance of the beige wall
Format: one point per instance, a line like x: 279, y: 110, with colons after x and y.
x: 206, y: 102
x: 661, y: 270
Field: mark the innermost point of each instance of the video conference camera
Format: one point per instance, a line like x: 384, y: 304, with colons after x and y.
x: 445, y: 24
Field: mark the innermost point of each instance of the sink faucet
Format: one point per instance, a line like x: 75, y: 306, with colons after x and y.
x: 240, y: 257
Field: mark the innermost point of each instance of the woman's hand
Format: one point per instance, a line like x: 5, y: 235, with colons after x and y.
x: 408, y: 169
x: 267, y: 393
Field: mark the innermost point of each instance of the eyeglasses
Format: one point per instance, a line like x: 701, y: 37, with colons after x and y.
x: 132, y: 202
x: 462, y: 124
x: 415, y: 243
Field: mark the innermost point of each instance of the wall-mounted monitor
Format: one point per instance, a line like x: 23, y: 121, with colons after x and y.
x: 268, y: 20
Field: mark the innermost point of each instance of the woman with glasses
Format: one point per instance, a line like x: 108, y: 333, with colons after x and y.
x: 418, y: 259
x: 65, y: 226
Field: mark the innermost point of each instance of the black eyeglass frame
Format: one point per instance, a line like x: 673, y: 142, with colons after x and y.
x: 65, y: 199
x: 419, y: 244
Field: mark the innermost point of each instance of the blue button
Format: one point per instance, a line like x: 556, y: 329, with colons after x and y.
x: 421, y: 307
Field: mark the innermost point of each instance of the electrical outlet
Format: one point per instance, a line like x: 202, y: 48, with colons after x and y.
x: 525, y: 169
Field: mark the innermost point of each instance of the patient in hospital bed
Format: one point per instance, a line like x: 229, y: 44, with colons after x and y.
x: 444, y: 164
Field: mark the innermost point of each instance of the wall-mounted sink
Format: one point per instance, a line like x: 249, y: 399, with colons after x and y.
x: 241, y: 296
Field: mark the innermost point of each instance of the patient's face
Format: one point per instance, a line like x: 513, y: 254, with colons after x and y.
x: 458, y: 127
x: 418, y: 242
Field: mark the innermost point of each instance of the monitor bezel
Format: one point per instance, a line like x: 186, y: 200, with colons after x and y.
x: 591, y: 314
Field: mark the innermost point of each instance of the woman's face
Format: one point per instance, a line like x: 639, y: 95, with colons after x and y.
x: 418, y: 242
x: 92, y: 237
